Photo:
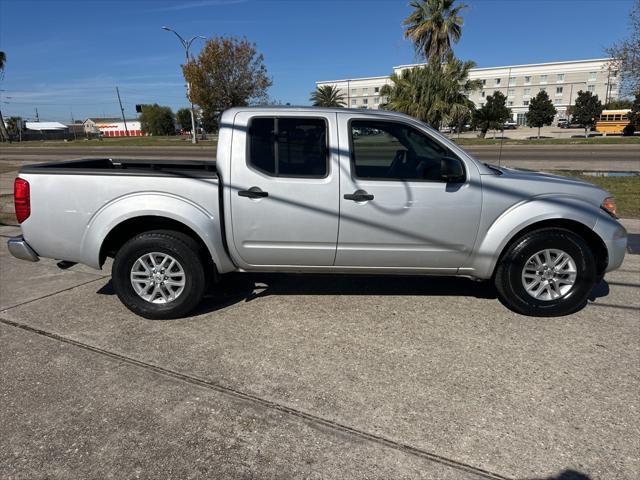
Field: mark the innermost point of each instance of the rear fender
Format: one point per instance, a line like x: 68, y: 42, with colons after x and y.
x: 177, y: 208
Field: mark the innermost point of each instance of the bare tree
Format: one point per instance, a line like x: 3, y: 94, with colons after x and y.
x: 626, y: 54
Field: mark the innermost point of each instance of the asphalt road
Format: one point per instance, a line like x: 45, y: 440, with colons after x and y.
x: 316, y: 377
x: 570, y: 157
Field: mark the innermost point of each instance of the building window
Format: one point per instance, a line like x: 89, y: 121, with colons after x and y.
x: 376, y: 100
x: 560, y: 77
x: 525, y: 102
x: 511, y: 92
x: 593, y: 76
x: 512, y: 80
x: 376, y: 90
x: 354, y: 103
x: 559, y: 90
x: 557, y: 101
x: 527, y: 79
x: 591, y: 88
x: 365, y: 91
x: 497, y: 81
x: 527, y: 92
x: 354, y: 92
x: 482, y: 94
x: 510, y: 103
x: 543, y: 78
x: 365, y: 101
x: 484, y: 82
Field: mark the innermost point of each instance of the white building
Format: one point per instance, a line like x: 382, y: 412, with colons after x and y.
x: 112, y: 127
x: 519, y: 83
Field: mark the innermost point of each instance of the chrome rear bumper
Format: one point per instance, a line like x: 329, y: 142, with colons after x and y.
x: 19, y: 248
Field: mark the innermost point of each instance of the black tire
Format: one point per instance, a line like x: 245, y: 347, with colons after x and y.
x: 508, y: 277
x: 179, y: 246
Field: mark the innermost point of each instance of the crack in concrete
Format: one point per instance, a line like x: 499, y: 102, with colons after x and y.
x: 254, y: 399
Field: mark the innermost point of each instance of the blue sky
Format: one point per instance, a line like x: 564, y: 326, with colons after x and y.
x: 66, y: 57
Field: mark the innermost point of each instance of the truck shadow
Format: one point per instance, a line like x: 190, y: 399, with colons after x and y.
x: 238, y: 288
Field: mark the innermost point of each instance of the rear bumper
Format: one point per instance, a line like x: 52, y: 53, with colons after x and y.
x: 19, y: 248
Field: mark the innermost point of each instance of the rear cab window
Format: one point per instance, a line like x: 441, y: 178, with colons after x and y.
x: 288, y: 146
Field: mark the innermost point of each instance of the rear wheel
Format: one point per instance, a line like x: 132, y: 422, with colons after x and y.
x: 159, y: 274
x: 548, y: 272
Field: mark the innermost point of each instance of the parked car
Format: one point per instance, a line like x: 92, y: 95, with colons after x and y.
x: 510, y: 125
x: 567, y: 123
x: 297, y: 190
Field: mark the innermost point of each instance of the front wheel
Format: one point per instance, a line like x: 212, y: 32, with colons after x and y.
x: 159, y: 274
x: 546, y: 273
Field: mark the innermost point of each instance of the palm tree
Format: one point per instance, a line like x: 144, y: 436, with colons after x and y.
x: 436, y: 93
x: 433, y: 26
x: 327, y: 96
x: 3, y: 130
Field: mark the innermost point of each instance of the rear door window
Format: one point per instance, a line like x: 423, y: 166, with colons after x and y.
x: 289, y: 147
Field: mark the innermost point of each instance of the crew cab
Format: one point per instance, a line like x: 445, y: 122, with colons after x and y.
x: 323, y: 191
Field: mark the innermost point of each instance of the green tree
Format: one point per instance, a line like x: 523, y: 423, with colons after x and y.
x: 586, y: 110
x: 12, y: 126
x: 433, y: 26
x: 634, y: 117
x: 227, y: 73
x: 327, y: 96
x: 492, y: 114
x: 634, y: 114
x: 541, y: 111
x: 4, y: 135
x: 619, y: 104
x: 183, y: 118
x: 157, y: 120
x: 626, y: 54
x: 435, y: 93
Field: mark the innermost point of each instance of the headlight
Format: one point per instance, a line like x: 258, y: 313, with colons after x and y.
x: 609, y: 206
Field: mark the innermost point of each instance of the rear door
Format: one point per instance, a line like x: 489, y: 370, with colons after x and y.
x: 395, y: 210
x: 284, y: 189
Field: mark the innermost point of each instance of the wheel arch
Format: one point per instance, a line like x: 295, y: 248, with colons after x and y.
x: 593, y: 240
x: 563, y: 212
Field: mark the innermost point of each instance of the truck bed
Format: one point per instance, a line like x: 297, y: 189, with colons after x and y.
x: 75, y: 204
x: 129, y: 167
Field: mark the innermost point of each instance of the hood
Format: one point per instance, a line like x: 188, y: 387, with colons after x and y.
x: 539, y: 183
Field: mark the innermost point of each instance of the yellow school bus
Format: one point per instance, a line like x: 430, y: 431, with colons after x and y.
x: 613, y: 121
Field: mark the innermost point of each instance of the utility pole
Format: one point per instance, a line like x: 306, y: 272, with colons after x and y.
x: 186, y: 44
x: 73, y: 126
x: 37, y: 116
x: 126, y: 130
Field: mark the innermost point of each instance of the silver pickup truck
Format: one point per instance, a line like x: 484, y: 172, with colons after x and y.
x: 322, y: 191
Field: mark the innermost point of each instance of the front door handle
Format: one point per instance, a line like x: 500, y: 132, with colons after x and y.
x: 358, y: 196
x: 253, y: 192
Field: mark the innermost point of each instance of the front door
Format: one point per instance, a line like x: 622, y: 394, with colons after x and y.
x: 284, y: 189
x: 395, y: 209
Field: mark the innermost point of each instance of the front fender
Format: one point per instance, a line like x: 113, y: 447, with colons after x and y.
x: 160, y: 204
x: 519, y: 217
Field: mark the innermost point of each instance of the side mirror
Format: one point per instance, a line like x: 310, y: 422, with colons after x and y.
x: 451, y: 169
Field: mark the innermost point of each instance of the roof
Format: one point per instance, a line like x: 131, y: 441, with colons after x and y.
x: 45, y: 126
x: 476, y: 69
x: 283, y: 108
x: 103, y: 119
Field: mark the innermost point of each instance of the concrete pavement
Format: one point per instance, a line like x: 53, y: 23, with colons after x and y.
x: 316, y: 377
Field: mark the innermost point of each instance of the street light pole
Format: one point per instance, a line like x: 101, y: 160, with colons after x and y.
x: 186, y: 44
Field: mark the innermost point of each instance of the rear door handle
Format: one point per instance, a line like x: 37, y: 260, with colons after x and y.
x: 358, y: 196
x: 253, y: 193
